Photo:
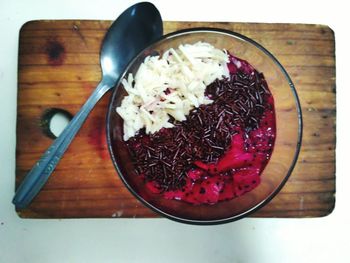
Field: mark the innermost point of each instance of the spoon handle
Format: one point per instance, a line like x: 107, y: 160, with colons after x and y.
x: 40, y: 172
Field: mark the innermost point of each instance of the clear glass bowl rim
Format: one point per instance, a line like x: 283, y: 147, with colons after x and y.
x: 299, y: 115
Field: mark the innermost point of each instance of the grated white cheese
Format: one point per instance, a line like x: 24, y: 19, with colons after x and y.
x: 170, y: 85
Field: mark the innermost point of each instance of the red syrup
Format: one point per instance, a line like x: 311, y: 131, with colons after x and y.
x: 231, y: 164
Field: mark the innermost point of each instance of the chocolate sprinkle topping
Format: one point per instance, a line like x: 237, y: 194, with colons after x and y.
x: 165, y: 156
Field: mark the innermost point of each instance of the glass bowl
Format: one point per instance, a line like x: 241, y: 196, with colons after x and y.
x: 288, y: 131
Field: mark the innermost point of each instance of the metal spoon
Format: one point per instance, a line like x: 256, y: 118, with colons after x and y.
x: 137, y: 27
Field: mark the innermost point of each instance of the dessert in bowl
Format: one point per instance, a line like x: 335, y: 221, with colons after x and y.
x: 205, y: 126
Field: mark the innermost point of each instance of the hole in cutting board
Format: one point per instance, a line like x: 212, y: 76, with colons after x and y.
x: 54, y: 120
x: 58, y: 122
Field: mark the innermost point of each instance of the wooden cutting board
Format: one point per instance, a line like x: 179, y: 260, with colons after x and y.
x: 59, y: 68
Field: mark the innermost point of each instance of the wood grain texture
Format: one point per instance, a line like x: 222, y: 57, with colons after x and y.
x: 59, y: 67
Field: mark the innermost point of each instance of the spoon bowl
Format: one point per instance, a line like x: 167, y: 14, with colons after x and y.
x: 137, y: 27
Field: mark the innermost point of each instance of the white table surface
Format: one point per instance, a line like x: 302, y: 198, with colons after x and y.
x: 161, y: 240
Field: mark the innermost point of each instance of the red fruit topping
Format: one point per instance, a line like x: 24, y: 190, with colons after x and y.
x: 219, y: 152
